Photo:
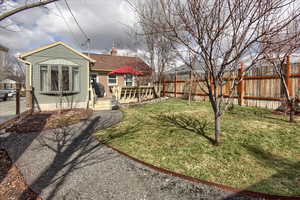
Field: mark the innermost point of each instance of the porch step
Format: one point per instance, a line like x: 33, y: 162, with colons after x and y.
x: 103, y: 104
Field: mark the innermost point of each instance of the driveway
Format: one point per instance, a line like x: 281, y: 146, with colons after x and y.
x: 8, y: 109
x: 69, y: 163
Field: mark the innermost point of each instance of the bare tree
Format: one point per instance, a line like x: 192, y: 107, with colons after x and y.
x: 11, y: 68
x: 222, y: 33
x: 161, y: 54
x: 26, y: 6
x: 278, y: 54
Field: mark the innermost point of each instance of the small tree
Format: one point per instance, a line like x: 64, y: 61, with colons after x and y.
x: 221, y: 33
x: 278, y: 55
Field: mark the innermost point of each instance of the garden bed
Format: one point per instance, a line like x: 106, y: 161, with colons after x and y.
x: 40, y: 121
x: 260, y: 151
x: 12, y: 183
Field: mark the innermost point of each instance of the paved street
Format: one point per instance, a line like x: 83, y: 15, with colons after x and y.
x: 8, y: 109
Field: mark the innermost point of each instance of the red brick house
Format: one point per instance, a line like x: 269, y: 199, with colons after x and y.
x: 106, y: 63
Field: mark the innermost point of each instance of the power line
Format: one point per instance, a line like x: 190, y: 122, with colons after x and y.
x: 85, y: 35
x: 68, y: 26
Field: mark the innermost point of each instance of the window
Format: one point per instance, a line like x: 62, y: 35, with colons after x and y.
x: 54, y: 78
x: 75, y: 79
x: 65, y: 79
x: 112, y: 79
x: 128, y: 80
x: 44, y: 77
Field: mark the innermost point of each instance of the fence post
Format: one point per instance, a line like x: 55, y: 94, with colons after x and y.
x: 18, y: 87
x: 164, y: 86
x: 241, y: 85
x: 175, y: 85
x: 191, y: 86
x: 30, y: 98
x: 288, y: 73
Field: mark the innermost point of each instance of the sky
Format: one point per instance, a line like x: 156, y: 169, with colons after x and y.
x: 106, y: 23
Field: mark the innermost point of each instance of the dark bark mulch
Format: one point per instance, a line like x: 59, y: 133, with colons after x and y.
x: 40, y: 121
x: 12, y: 183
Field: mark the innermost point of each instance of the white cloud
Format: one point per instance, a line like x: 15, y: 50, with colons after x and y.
x: 103, y: 21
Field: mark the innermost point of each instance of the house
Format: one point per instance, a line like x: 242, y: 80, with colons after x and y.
x: 105, y: 64
x: 61, y: 76
x: 8, y: 84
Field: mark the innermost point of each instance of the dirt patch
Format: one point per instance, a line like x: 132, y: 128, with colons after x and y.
x: 40, y: 121
x: 12, y: 185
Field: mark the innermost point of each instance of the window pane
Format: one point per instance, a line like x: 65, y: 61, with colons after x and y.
x: 54, y: 78
x: 75, y: 79
x: 128, y: 80
x: 44, y: 75
x: 112, y: 79
x: 65, y: 78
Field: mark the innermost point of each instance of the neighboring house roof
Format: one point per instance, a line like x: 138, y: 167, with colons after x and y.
x: 109, y: 63
x: 185, y: 68
x: 3, y: 48
x: 53, y: 45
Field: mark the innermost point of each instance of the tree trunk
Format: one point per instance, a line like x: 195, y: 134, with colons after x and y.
x: 292, y: 110
x: 217, y: 129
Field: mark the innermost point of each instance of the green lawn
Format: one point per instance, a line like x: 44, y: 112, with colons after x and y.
x: 260, y: 151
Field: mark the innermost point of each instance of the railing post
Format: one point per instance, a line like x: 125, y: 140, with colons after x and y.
x: 18, y: 87
x: 175, y: 85
x: 288, y: 73
x: 241, y: 85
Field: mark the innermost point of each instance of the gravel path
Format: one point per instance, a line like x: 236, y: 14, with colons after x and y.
x: 70, y: 164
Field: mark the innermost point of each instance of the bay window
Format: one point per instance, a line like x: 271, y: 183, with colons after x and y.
x: 57, y: 78
x: 65, y: 78
x: 75, y: 79
x: 54, y: 78
x: 44, y: 78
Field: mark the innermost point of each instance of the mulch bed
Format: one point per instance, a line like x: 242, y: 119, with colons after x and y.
x: 12, y: 183
x: 40, y: 121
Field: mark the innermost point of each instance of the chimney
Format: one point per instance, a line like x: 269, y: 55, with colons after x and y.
x: 113, y: 52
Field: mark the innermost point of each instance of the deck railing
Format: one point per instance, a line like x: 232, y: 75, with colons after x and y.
x: 133, y: 94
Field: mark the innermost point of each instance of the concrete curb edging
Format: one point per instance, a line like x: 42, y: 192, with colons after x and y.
x: 196, y: 180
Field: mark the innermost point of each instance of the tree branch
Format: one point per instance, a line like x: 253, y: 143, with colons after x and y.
x: 24, y: 7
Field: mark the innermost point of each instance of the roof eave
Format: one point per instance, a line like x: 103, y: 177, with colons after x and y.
x: 23, y: 55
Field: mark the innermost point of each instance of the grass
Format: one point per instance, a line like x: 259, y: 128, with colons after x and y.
x: 260, y: 150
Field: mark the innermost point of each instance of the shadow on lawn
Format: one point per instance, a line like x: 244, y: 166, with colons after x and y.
x: 74, y: 148
x: 186, y: 122
x: 287, y: 175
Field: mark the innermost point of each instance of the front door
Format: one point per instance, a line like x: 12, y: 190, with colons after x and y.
x: 98, y: 87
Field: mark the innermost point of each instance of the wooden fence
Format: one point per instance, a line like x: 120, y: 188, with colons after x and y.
x: 260, y: 87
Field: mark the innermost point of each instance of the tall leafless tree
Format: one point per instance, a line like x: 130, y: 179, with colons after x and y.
x: 161, y: 54
x: 222, y: 33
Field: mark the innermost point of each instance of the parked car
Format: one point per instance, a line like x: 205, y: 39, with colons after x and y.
x: 3, y: 95
x: 11, y: 93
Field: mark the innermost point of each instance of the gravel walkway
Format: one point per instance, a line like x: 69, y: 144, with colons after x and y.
x: 70, y: 164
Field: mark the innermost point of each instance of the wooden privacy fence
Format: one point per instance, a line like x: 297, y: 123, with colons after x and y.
x: 261, y: 86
